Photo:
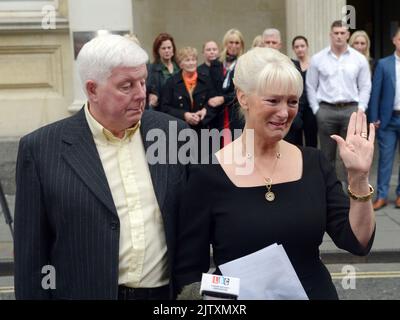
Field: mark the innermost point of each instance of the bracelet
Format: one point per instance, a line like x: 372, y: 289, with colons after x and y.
x: 363, y: 198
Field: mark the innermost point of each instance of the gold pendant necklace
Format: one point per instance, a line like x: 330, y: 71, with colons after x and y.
x: 270, y: 196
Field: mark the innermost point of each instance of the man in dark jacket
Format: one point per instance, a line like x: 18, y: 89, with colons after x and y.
x: 94, y: 219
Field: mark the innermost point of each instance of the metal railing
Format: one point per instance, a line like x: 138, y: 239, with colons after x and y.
x: 6, y: 211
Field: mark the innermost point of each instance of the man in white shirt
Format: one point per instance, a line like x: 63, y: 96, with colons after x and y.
x: 338, y: 83
x: 384, y: 112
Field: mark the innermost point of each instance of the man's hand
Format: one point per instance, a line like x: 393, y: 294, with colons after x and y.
x: 377, y: 124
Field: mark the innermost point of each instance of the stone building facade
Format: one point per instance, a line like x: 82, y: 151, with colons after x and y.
x: 39, y: 40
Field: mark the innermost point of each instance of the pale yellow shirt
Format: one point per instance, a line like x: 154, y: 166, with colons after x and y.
x: 142, y: 246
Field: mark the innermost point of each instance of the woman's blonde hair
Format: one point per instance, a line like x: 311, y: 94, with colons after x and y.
x: 261, y: 70
x: 258, y: 42
x: 361, y: 33
x: 232, y: 33
x: 184, y: 53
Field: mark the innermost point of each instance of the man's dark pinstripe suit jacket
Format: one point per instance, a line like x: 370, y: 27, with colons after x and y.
x: 65, y: 215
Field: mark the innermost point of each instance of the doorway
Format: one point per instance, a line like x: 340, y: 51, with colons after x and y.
x: 380, y: 19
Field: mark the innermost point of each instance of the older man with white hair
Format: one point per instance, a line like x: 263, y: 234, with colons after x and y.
x: 272, y: 38
x: 90, y: 210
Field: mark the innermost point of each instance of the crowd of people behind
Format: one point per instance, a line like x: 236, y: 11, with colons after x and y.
x: 204, y: 95
x: 339, y: 82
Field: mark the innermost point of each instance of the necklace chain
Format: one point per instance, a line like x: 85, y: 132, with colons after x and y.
x: 268, y: 180
x: 269, y: 196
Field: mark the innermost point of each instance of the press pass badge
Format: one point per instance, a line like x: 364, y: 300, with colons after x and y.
x: 219, y: 287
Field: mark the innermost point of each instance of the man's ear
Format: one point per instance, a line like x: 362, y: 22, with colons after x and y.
x: 243, y: 99
x: 91, y: 89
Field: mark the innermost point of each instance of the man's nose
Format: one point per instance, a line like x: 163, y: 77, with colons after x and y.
x: 141, y: 93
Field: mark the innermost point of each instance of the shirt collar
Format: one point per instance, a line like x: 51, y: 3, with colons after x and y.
x: 164, y: 67
x: 103, y: 135
x: 397, y: 57
x: 347, y: 51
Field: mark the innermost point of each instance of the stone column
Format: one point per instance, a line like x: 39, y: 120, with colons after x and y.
x: 312, y: 19
x: 89, y: 17
x: 35, y: 79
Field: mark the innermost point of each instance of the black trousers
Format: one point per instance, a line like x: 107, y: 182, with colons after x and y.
x: 159, y: 293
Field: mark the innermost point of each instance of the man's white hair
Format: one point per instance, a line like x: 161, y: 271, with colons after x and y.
x: 272, y: 32
x: 101, y: 55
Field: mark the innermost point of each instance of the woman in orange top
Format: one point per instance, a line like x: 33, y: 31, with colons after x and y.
x: 185, y: 95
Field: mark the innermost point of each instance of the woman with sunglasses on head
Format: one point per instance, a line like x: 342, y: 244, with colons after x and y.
x: 225, y: 112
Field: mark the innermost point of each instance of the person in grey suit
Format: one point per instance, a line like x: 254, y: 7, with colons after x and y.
x: 94, y: 218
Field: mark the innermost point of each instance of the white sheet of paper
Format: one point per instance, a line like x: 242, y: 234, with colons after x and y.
x: 265, y: 275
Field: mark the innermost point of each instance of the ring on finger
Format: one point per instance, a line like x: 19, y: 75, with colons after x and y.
x: 364, y: 135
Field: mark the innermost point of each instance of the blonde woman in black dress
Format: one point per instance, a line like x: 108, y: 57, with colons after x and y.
x: 291, y: 196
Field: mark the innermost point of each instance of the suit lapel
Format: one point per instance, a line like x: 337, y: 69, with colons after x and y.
x: 158, y: 172
x: 81, y: 154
